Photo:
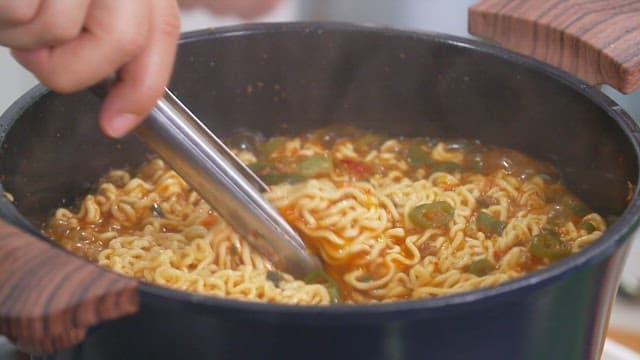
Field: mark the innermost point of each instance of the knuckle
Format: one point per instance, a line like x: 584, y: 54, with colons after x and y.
x: 19, y: 12
x: 130, y: 42
x: 169, y: 26
x: 56, y: 30
x: 61, y: 33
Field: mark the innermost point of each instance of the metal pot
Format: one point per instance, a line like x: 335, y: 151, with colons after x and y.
x: 286, y: 78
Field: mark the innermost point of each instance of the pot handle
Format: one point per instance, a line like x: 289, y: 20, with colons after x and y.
x: 598, y: 41
x: 50, y: 298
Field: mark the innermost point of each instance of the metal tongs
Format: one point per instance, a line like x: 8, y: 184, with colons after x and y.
x: 223, y: 181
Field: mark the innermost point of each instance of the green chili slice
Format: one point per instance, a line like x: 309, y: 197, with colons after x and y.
x: 417, y: 157
x: 489, y: 224
x: 321, y: 277
x: 474, y: 162
x: 579, y: 208
x: 368, y: 141
x: 315, y: 165
x: 588, y: 227
x: 446, y: 166
x: 481, y: 267
x: 259, y: 166
x: 272, y: 176
x: 558, y: 215
x: 275, y: 277
x: 431, y: 215
x: 272, y: 145
x: 279, y: 178
x: 156, y: 210
x: 549, y: 246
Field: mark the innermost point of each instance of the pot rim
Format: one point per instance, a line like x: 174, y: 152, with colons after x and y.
x: 613, y: 238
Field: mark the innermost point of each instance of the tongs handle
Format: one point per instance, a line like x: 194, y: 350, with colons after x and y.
x: 223, y: 181
x: 595, y: 40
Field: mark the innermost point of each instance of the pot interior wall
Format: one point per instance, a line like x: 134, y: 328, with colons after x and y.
x: 294, y: 78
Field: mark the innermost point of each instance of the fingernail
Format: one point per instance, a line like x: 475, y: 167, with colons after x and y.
x: 121, y: 125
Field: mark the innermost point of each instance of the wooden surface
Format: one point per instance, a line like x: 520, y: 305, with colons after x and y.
x: 597, y: 40
x: 627, y: 338
x: 49, y: 298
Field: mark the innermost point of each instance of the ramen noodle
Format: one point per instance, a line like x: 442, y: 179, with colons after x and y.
x: 391, y: 219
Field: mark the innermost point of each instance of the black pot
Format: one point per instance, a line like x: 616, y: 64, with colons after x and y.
x: 400, y: 83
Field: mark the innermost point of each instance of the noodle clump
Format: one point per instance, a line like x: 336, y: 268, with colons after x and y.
x: 391, y: 218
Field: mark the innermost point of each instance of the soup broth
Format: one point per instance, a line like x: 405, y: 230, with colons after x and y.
x: 391, y: 218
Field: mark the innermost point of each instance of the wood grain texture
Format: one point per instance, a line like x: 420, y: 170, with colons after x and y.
x: 596, y: 40
x: 50, y: 298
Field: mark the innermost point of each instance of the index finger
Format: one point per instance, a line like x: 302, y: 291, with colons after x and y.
x: 142, y: 81
x: 17, y: 12
x: 116, y: 31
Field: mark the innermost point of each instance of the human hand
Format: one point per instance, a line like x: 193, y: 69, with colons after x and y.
x: 246, y: 9
x: 72, y: 44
